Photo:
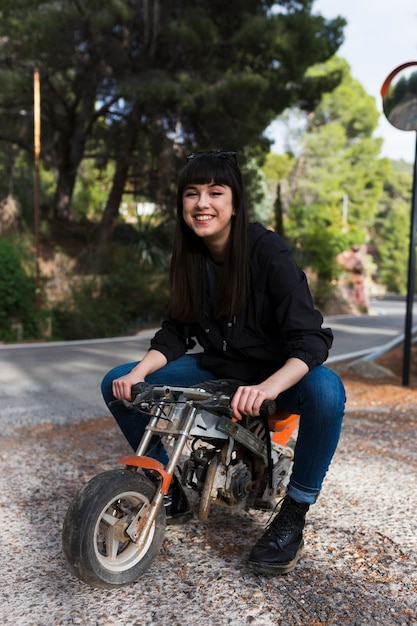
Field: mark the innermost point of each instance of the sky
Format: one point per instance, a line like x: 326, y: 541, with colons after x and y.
x: 380, y: 35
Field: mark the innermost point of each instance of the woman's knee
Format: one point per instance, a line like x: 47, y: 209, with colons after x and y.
x: 324, y: 385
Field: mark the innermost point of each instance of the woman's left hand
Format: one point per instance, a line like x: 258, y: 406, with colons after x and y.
x: 248, y: 399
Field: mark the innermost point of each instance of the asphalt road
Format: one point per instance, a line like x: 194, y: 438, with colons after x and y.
x: 59, y: 382
x: 355, y: 336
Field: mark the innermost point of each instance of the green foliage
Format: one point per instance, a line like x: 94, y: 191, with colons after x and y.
x: 128, y: 88
x: 17, y: 296
x: 320, y: 236
x: 148, y: 245
x: 132, y: 291
x: 349, y: 105
x: 132, y: 82
x: 17, y: 179
x: 331, y: 196
x: 276, y: 170
x: 277, y: 167
x: 393, y: 250
x: 402, y: 167
x: 340, y: 157
x: 91, y: 190
x: 322, y: 292
x: 130, y: 297
x: 391, y: 231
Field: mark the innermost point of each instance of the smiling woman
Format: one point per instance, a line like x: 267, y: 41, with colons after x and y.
x: 235, y: 287
x: 208, y: 210
x: 191, y: 249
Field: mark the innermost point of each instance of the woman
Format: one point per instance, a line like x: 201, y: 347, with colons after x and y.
x: 235, y: 287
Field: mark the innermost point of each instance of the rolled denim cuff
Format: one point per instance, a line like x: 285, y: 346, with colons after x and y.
x: 302, y: 496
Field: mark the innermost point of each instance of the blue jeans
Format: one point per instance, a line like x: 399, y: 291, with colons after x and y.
x: 318, y: 398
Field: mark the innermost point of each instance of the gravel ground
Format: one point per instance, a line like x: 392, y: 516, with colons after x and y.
x: 359, y: 565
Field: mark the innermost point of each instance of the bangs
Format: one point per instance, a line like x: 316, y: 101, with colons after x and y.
x: 205, y: 170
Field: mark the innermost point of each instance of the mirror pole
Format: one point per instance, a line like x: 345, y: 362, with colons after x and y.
x: 411, y: 279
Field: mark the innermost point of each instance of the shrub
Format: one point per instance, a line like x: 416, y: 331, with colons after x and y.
x: 17, y: 296
x: 112, y: 305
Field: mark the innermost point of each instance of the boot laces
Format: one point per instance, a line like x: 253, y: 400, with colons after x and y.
x: 284, y: 522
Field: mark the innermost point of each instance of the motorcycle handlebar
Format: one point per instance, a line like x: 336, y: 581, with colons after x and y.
x: 143, y: 392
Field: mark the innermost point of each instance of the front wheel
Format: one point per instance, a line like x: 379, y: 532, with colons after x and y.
x: 94, y: 539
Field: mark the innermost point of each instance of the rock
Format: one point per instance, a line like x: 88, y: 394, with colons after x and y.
x: 369, y: 369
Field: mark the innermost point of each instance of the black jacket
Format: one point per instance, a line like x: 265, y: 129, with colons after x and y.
x: 279, y: 321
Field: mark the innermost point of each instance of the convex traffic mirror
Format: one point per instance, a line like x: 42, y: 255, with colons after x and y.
x: 399, y: 96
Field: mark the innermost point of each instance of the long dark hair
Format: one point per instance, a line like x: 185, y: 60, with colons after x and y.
x: 187, y: 272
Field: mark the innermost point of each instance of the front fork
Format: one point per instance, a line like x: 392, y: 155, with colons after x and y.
x: 140, y: 526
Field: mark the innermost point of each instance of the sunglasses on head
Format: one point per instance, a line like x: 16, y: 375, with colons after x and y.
x: 229, y: 155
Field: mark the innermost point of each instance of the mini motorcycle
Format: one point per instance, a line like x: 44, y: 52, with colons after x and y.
x: 115, y: 525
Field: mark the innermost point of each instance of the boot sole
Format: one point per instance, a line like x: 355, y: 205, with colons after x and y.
x: 276, y: 569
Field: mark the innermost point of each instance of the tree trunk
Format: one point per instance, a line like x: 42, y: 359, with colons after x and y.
x: 63, y: 194
x: 111, y: 212
x: 278, y: 213
x: 73, y: 152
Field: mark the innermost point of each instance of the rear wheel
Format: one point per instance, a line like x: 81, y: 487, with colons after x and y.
x: 95, y: 542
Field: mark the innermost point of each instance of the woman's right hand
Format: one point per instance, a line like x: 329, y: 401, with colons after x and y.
x: 152, y: 361
x: 122, y: 387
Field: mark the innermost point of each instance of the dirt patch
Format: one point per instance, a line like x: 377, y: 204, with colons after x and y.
x: 379, y: 383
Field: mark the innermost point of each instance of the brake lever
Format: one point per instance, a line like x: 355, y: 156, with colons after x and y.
x: 141, y: 393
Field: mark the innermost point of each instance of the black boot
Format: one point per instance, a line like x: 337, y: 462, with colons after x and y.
x: 281, y: 546
x: 177, y: 508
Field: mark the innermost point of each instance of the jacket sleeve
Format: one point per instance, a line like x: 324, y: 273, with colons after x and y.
x: 304, y: 336
x: 299, y: 323
x: 173, y: 339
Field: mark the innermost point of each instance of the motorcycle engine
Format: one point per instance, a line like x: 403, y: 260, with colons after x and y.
x: 195, y: 469
x: 239, y: 482
x: 233, y: 483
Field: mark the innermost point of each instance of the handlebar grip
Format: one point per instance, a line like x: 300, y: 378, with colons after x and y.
x: 141, y: 392
x: 138, y: 388
x: 268, y: 407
